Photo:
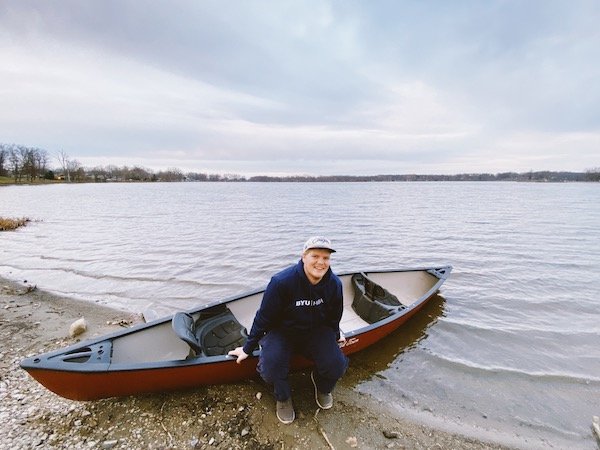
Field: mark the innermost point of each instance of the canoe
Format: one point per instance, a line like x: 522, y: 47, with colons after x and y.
x: 190, y: 348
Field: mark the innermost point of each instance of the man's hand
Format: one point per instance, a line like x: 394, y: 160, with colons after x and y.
x: 239, y: 353
x: 342, y: 339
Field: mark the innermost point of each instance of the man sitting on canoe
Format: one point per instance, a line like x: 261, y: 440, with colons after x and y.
x: 300, y: 313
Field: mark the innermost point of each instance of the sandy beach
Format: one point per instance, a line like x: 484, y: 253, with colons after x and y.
x: 232, y: 416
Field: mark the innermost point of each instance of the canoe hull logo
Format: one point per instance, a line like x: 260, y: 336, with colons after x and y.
x: 349, y: 342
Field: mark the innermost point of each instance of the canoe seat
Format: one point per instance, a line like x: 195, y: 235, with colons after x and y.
x: 221, y: 333
x: 185, y: 327
x: 211, y: 336
x: 371, y: 301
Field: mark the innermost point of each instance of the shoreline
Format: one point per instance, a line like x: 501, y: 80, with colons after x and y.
x: 237, y: 416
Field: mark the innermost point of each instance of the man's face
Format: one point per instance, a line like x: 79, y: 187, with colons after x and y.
x: 316, y: 264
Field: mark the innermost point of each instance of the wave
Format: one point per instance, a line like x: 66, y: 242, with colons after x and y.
x: 67, y: 260
x: 520, y: 328
x: 470, y: 366
x: 123, y: 278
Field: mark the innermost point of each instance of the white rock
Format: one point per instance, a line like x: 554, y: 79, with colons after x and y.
x: 596, y: 425
x: 149, y: 315
x: 352, y: 441
x: 109, y: 444
x: 78, y: 327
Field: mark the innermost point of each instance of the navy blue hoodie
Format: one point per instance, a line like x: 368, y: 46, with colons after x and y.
x: 295, y: 306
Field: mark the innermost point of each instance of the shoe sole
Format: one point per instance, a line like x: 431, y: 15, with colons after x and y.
x: 312, y: 377
x: 286, y: 422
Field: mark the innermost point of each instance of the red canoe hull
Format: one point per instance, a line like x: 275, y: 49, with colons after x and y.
x: 94, y: 385
x: 151, y: 357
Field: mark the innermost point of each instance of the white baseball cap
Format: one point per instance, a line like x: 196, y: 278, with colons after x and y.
x: 318, y: 242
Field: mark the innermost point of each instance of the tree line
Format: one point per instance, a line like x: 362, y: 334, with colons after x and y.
x: 28, y: 164
x: 23, y: 163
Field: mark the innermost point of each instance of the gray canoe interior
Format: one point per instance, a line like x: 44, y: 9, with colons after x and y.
x: 160, y: 343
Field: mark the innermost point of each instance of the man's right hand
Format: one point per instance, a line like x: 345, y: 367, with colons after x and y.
x: 239, y: 353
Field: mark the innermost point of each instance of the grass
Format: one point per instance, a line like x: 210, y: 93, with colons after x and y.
x: 8, y: 224
x: 4, y: 181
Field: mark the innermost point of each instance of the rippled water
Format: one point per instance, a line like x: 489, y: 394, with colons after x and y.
x: 512, y: 348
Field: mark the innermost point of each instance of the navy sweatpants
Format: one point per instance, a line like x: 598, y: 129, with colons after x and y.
x: 320, y: 346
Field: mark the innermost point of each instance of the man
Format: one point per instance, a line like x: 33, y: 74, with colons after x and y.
x: 300, y: 313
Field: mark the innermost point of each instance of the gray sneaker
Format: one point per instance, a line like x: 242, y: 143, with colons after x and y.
x: 285, y: 411
x: 325, y: 401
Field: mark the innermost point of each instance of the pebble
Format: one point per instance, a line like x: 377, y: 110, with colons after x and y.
x: 352, y: 441
x: 109, y: 444
x: 391, y: 434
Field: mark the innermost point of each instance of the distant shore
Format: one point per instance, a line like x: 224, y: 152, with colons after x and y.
x: 238, y: 416
x: 140, y: 175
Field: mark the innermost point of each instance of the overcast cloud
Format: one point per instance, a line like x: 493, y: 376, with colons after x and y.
x: 305, y: 87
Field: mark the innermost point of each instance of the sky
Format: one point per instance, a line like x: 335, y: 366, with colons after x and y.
x: 305, y: 87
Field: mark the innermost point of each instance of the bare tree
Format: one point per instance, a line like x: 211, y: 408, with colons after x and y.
x: 64, y: 161
x: 139, y: 174
x: 3, y: 160
x: 14, y: 157
x: 194, y: 176
x: 593, y: 174
x: 75, y: 170
x: 24, y: 161
x: 99, y: 173
x: 40, y: 157
x: 171, y: 174
x: 26, y: 157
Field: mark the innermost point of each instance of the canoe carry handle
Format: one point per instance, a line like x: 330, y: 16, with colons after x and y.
x: 98, y: 353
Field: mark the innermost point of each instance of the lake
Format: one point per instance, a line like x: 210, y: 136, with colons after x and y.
x: 510, y: 349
